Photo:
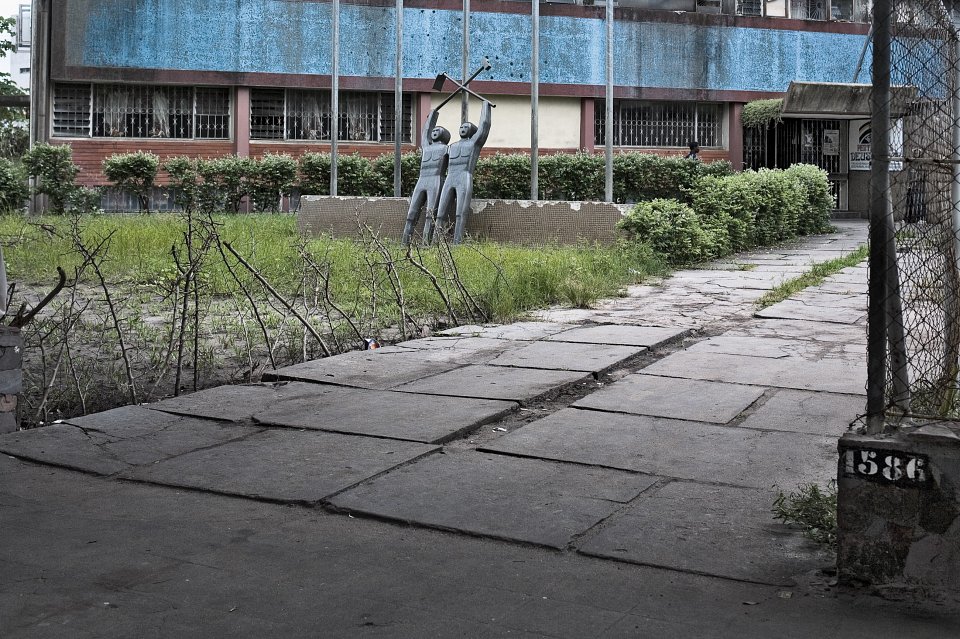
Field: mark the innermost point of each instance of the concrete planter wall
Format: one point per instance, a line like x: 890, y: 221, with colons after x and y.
x: 899, y: 513
x: 514, y: 221
x: 11, y: 376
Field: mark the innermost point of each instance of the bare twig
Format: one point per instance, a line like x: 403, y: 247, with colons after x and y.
x: 279, y: 298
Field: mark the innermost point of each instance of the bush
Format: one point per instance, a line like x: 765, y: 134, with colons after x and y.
x: 227, y: 180
x: 13, y: 186
x: 355, y: 175
x: 779, y: 198
x: 815, y: 213
x: 54, y: 173
x: 134, y: 172
x: 409, y: 172
x: 271, y: 178
x: 671, y: 228
x: 576, y: 177
x: 185, y: 181
x: 728, y: 202
x: 502, y: 177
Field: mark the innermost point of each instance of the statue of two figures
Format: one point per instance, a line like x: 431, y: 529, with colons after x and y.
x: 446, y: 170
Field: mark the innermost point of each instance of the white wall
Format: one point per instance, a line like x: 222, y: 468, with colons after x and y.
x: 510, y: 128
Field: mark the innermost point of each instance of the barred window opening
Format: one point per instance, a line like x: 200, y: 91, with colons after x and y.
x: 140, y: 111
x: 295, y: 114
x: 661, y: 124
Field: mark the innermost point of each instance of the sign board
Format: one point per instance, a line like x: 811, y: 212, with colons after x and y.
x: 860, y: 156
x: 831, y: 142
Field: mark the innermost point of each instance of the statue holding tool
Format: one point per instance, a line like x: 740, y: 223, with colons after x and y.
x: 446, y: 172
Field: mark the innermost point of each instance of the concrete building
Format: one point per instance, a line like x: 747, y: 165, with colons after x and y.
x: 215, y: 77
x: 19, y: 61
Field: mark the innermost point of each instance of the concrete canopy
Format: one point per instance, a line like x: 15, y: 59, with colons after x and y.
x: 840, y: 100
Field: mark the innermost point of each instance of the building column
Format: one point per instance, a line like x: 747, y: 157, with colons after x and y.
x: 424, y: 104
x: 735, y: 133
x: 241, y: 122
x: 587, y: 124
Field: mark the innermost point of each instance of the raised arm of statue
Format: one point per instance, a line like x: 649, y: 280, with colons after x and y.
x: 483, y: 129
x: 428, y: 127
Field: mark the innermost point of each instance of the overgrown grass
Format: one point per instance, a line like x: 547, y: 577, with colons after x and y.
x: 508, y: 280
x: 813, y: 509
x: 815, y: 276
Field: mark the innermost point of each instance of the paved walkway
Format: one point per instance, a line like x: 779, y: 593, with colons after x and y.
x: 599, y: 473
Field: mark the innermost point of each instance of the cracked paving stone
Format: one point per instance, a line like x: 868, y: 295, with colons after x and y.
x: 648, y: 336
x: 426, y: 418
x: 816, y: 413
x: 675, y: 448
x: 798, y: 309
x: 833, y: 375
x: 567, y: 356
x: 496, y: 382
x: 520, y: 331
x: 528, y: 500
x: 283, y: 465
x: 240, y: 402
x: 113, y: 441
x: 673, y: 397
x: 377, y: 369
x: 716, y: 530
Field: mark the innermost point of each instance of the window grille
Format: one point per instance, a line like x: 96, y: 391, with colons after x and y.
x: 294, y: 114
x: 266, y: 114
x: 662, y: 124
x: 211, y: 119
x: 140, y: 111
x: 24, y: 27
x: 749, y: 7
x: 71, y: 110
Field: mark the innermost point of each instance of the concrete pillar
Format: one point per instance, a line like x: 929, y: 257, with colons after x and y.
x: 735, y: 136
x: 898, y: 513
x: 241, y: 122
x: 587, y: 117
x: 11, y: 376
x: 39, y: 82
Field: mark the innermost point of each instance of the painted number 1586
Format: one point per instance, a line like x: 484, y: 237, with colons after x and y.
x: 885, y: 466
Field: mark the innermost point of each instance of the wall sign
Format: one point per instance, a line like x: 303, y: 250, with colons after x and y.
x: 885, y: 466
x: 831, y: 141
x: 860, y: 156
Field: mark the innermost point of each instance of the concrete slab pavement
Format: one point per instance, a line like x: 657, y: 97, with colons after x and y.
x: 553, y: 520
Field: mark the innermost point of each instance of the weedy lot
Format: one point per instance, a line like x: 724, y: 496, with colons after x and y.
x: 158, y: 304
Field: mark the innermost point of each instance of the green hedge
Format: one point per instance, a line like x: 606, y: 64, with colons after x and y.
x: 734, y: 213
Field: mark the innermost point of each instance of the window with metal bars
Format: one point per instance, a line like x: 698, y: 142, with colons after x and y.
x: 661, y: 124
x: 750, y: 7
x: 297, y: 114
x: 140, y: 111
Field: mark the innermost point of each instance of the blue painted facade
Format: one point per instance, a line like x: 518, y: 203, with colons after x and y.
x: 293, y: 37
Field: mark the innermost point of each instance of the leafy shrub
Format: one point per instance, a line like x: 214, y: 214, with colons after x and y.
x: 271, y: 178
x: 409, y: 172
x: 314, y: 173
x: 502, y: 177
x: 54, y: 173
x: 13, y: 186
x: 185, y: 181
x: 355, y: 175
x: 779, y: 198
x: 731, y: 203
x: 815, y: 214
x: 671, y: 228
x: 133, y: 172
x: 576, y: 177
x: 230, y: 178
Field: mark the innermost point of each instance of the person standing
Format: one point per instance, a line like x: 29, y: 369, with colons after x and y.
x: 694, y: 153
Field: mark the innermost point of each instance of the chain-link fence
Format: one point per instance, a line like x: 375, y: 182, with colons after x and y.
x: 914, y: 337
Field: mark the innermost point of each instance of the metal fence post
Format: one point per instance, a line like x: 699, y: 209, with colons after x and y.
x: 608, y: 117
x: 535, y: 103
x: 879, y: 214
x: 335, y: 97
x: 398, y: 105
